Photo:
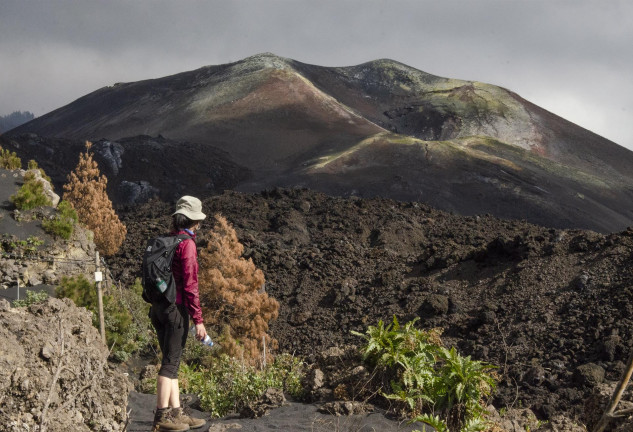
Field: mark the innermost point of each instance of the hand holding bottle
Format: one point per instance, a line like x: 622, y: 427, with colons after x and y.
x: 200, y: 334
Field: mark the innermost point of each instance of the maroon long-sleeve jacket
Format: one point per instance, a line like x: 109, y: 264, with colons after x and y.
x: 185, y: 270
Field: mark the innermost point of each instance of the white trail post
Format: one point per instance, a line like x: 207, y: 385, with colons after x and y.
x: 98, y: 278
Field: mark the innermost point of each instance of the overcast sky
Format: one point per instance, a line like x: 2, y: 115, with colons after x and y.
x: 574, y: 58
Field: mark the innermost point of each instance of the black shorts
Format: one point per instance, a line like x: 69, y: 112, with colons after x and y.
x: 171, y: 322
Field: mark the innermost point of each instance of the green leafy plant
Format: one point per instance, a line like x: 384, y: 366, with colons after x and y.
x: 125, y: 332
x: 227, y: 385
x: 31, y: 194
x: 63, y: 224
x: 408, y: 358
x: 32, y: 165
x: 31, y: 298
x: 391, y: 345
x: 9, y: 160
x: 464, y: 381
x: 432, y: 420
x: 475, y: 424
x: 427, y: 378
x: 128, y: 323
x: 81, y: 291
x: 35, y: 241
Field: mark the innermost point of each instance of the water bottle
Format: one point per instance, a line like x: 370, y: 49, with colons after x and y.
x: 161, y: 285
x: 207, y: 339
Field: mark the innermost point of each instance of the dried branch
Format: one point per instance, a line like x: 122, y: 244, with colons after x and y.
x: 72, y: 398
x: 128, y: 419
x: 615, y: 399
x: 60, y: 366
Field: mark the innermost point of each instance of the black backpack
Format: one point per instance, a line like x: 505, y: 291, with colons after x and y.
x: 158, y: 281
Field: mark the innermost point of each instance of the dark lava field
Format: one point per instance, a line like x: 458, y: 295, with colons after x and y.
x: 551, y: 308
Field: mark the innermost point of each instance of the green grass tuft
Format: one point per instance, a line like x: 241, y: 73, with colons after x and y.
x: 226, y: 385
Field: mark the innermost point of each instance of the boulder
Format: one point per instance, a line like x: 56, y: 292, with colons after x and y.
x: 435, y: 305
x: 589, y: 374
x: 272, y: 398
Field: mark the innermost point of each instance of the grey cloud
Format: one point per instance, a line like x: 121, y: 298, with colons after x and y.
x: 570, y: 47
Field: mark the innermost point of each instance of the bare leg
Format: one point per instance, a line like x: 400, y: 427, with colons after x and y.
x: 174, y: 396
x: 163, y: 391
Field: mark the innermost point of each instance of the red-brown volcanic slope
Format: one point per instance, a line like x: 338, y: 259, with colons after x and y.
x: 376, y: 129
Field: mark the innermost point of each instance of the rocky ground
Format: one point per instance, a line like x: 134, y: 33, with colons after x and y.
x: 54, y: 373
x: 31, y: 256
x: 550, y: 307
x: 53, y: 365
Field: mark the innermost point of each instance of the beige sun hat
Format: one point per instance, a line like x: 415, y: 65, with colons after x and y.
x: 191, y: 207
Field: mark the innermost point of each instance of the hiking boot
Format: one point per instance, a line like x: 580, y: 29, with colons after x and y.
x: 165, y: 420
x: 182, y: 416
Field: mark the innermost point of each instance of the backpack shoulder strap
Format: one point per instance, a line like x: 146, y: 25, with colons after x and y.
x: 183, y: 237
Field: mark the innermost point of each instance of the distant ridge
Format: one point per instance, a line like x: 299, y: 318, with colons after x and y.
x: 380, y: 128
x: 15, y: 119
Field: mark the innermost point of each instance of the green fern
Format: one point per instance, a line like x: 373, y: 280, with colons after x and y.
x: 383, y: 343
x: 429, y: 377
x: 432, y: 420
x: 418, y: 371
x: 475, y: 424
x: 464, y: 379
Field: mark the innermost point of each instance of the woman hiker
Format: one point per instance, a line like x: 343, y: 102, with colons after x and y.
x: 171, y: 321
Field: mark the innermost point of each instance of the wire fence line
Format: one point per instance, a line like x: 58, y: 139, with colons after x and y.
x: 48, y: 259
x: 110, y: 282
x: 88, y: 265
x: 26, y: 257
x: 126, y: 304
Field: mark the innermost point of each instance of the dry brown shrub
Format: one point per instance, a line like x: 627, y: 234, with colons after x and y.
x: 232, y: 296
x: 86, y: 192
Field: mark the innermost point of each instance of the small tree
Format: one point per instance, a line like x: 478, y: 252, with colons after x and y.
x: 31, y: 194
x: 63, y: 224
x: 86, y: 192
x: 232, y: 296
x: 32, y: 165
x: 9, y: 160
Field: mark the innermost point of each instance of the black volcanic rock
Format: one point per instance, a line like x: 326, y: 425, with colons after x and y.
x: 376, y: 129
x: 503, y: 291
x: 138, y: 168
